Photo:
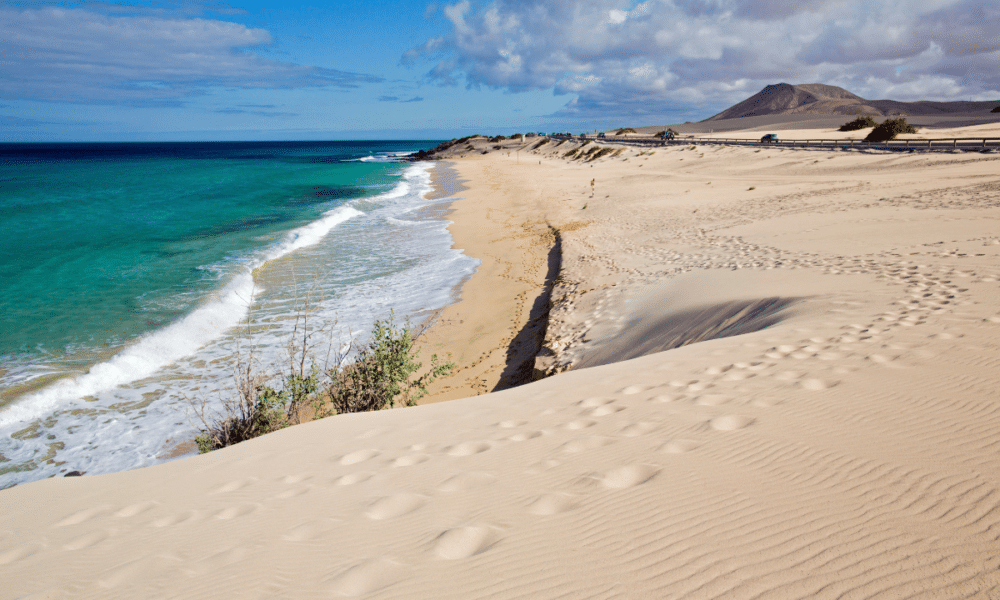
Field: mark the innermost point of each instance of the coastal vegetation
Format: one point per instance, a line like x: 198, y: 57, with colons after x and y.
x: 889, y: 129
x: 860, y: 123
x: 263, y: 401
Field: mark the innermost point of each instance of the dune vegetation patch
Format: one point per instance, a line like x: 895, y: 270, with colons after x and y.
x: 889, y: 129
x: 860, y: 123
x: 267, y: 400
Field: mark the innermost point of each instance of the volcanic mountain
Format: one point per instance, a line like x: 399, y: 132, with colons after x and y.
x: 816, y: 98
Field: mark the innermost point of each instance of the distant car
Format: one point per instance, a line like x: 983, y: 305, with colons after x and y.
x: 600, y: 135
x: 667, y: 135
x: 769, y: 138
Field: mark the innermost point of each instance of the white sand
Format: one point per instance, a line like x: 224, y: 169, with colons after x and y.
x: 849, y: 449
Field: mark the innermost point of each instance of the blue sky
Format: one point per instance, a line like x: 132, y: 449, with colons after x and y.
x: 434, y: 70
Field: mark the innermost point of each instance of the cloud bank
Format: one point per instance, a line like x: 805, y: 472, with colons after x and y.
x: 79, y: 56
x: 699, y: 56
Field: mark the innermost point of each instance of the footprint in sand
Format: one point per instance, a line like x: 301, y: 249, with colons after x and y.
x: 292, y: 479
x: 87, y: 540
x: 603, y: 411
x: 633, y: 389
x: 15, y: 554
x: 713, y: 400
x: 637, y: 429
x: 680, y: 446
x: 394, y: 506
x: 359, y: 456
x: 353, y: 478
x: 510, y: 424
x: 232, y: 486
x: 731, y: 422
x: 789, y: 375
x: 467, y: 481
x: 580, y: 424
x: 136, y: 509
x: 525, y: 436
x: 667, y: 398
x: 468, y: 448
x: 233, y: 512
x: 464, y: 542
x: 410, y: 460
x: 367, y: 577
x: 585, y: 443
x: 766, y: 402
x: 817, y: 385
x: 628, y: 476
x: 83, y: 516
x: 682, y: 383
x: 177, y: 519
x: 552, y: 504
x: 594, y: 402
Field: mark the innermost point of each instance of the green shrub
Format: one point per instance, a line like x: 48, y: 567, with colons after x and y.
x: 258, y: 408
x: 381, y: 376
x: 889, y: 129
x: 860, y: 123
x: 624, y: 130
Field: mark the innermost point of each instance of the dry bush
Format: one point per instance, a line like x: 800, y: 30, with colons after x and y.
x: 860, y: 123
x: 265, y: 401
x: 889, y: 129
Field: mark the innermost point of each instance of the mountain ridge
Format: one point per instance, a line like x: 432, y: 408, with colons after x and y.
x: 818, y: 98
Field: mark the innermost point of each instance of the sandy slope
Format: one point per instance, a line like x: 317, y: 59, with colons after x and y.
x: 828, y: 428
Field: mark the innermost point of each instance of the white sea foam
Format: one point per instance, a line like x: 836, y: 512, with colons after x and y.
x: 142, y: 359
x: 310, y: 234
x: 182, y: 338
x: 371, y: 266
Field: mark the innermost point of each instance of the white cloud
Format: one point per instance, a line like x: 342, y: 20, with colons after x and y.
x: 54, y: 54
x: 703, y: 55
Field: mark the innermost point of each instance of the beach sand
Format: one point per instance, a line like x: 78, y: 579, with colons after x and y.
x: 808, y: 408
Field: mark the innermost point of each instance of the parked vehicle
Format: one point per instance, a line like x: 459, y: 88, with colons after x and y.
x: 769, y: 138
x: 600, y: 135
x: 667, y: 135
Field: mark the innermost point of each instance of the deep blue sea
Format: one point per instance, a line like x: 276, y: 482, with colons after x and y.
x: 127, y: 272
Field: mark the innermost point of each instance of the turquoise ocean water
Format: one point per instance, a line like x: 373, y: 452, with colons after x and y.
x: 127, y: 269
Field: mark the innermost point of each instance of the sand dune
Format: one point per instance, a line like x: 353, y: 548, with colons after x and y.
x: 824, y: 425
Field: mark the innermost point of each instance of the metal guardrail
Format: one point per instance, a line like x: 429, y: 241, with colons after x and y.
x: 969, y: 143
